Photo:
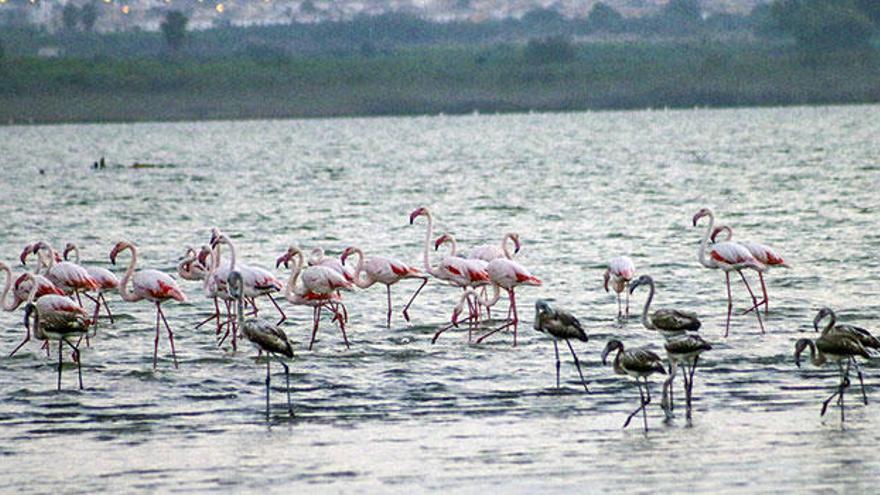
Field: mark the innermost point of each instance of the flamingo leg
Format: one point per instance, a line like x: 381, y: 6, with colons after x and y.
x: 342, y: 327
x: 766, y: 297
x: 156, y: 341
x: 170, y: 334
x: 861, y: 378
x: 388, y: 291
x: 413, y: 298
x: 577, y: 364
x: 556, y: 349
x: 647, y: 401
x: 641, y: 407
x: 844, y: 382
x: 280, y: 311
x: 27, y: 338
x: 60, y: 357
x: 729, y: 304
x: 216, y: 316
x: 512, y: 321
x: 316, y: 318
x: 754, y: 299
x: 287, y: 378
x: 78, y: 362
x: 690, y: 386
x: 625, y: 289
x: 666, y: 401
x: 454, y: 323
x: 106, y: 307
x: 268, y: 381
x: 619, y: 307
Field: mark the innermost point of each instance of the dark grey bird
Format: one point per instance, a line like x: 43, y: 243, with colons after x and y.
x: 263, y: 335
x: 684, y: 351
x: 639, y: 364
x: 862, y: 335
x: 837, y: 347
x: 57, y: 318
x: 561, y: 325
x: 669, y: 322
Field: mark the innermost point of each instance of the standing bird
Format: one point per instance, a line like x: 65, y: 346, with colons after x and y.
x: 21, y: 290
x: 57, y: 318
x: 265, y: 336
x: 489, y: 252
x: 257, y: 281
x: 838, y: 347
x: 683, y: 350
x: 728, y: 256
x: 320, y: 288
x: 67, y: 276
x: 152, y: 285
x: 639, y: 364
x: 863, y: 336
x: 669, y: 322
x: 509, y: 275
x: 107, y: 281
x: 386, y: 271
x: 561, y: 325
x: 619, y: 273
x: 763, y: 253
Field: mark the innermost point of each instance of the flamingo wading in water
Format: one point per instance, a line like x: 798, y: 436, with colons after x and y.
x: 838, y: 347
x: 728, y: 256
x: 638, y: 364
x: 106, y: 279
x: 861, y: 335
x: 386, y: 271
x: 620, y: 271
x: 763, y: 253
x: 152, y: 285
x: 561, y: 325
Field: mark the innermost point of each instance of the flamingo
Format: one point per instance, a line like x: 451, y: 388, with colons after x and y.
x: 57, y: 318
x: 214, y: 284
x: 452, y: 269
x: 152, y: 285
x: 833, y: 346
x: 257, y: 281
x: 69, y: 277
x: 320, y: 287
x: 190, y: 268
x: 263, y: 335
x: 318, y: 258
x: 21, y: 292
x: 639, y: 364
x: 619, y: 272
x: 669, y: 322
x: 561, y: 325
x: 107, y: 281
x: 489, y: 252
x: 509, y: 275
x: 454, y: 262
x: 683, y: 350
x: 763, y: 253
x: 863, y: 336
x: 386, y: 271
x: 728, y: 256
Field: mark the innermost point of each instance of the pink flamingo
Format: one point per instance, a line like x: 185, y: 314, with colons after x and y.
x: 213, y: 283
x: 21, y: 292
x: 619, y: 273
x: 107, y: 281
x: 190, y: 268
x: 728, y: 256
x: 763, y: 253
x: 386, y: 271
x: 256, y: 282
x: 452, y: 269
x: 472, y: 264
x: 489, y: 252
x: 152, y: 285
x: 318, y: 258
x: 57, y: 318
x: 320, y: 288
x: 67, y: 276
x: 509, y: 275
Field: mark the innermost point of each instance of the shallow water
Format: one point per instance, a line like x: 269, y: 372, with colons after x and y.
x: 395, y: 413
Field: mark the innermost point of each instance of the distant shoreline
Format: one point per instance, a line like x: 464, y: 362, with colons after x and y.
x: 429, y: 81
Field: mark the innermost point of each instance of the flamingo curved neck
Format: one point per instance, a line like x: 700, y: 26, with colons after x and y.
x: 831, y: 322
x: 705, y: 243
x: 124, y: 292
x: 817, y: 358
x: 240, y: 305
x: 290, y: 289
x: 504, y: 249
x: 617, y: 367
x: 361, y: 279
x: 6, y: 287
x: 75, y: 250
x: 428, y: 232
x: 646, y: 321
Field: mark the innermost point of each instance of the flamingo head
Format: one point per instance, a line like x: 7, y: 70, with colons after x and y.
x: 799, y: 347
x: 442, y: 239
x: 215, y: 234
x: 643, y: 280
x: 316, y: 256
x: 235, y: 284
x: 719, y: 229
x: 418, y: 212
x: 219, y: 239
x: 29, y: 309
x: 607, y: 277
x: 542, y: 311
x: 68, y: 248
x: 700, y: 214
x: 348, y: 252
x: 516, y: 244
x: 821, y: 315
x: 202, y: 256
x: 118, y: 248
x: 25, y: 253
x: 456, y: 312
x: 286, y: 257
x: 612, y: 345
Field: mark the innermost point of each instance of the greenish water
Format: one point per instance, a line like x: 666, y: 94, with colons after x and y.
x: 396, y: 413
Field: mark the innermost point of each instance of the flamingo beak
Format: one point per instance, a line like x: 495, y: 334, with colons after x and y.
x: 285, y: 258
x: 414, y: 214
x: 115, y: 252
x: 24, y: 255
x: 345, y: 255
x: 439, y: 242
x: 606, y: 277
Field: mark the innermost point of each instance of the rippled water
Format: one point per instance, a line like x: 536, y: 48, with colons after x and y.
x: 396, y: 413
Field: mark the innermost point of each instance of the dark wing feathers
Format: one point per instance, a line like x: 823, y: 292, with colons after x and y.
x: 863, y: 336
x: 841, y: 344
x: 687, y: 344
x: 675, y: 320
x: 267, y: 336
x: 642, y: 361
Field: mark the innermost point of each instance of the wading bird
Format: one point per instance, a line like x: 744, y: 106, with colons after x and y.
x: 768, y: 256
x: 638, y: 364
x: 265, y: 336
x: 561, y: 325
x: 618, y: 275
x: 67, y: 276
x: 107, y: 281
x: 837, y: 347
x: 152, y: 285
x: 683, y: 350
x: 489, y: 252
x: 669, y: 322
x: 728, y: 256
x: 863, y: 336
x: 21, y: 290
x: 386, y: 271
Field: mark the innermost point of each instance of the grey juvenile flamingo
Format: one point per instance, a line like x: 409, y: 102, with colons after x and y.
x: 863, y: 336
x: 837, y: 347
x: 639, y: 364
x: 561, y: 325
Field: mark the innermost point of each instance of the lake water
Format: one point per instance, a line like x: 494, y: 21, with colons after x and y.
x: 397, y: 414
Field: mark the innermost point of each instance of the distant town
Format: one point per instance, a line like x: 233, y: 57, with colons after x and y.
x: 147, y: 15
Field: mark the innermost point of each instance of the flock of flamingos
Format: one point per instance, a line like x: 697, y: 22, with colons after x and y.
x: 52, y: 295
